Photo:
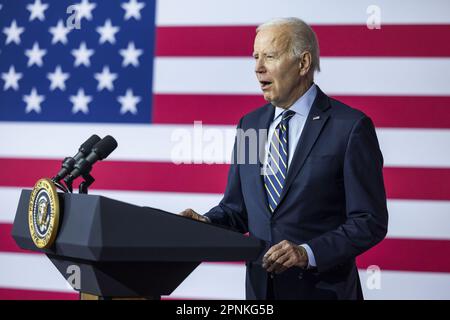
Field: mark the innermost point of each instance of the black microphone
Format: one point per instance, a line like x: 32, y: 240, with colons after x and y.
x: 100, y: 151
x: 69, y: 162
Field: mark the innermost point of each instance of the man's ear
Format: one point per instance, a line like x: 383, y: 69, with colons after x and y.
x: 305, y: 63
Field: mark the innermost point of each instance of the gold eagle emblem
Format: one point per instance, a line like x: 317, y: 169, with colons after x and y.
x: 43, y: 213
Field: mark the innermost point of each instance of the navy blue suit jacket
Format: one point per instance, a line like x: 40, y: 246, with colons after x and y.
x: 333, y: 200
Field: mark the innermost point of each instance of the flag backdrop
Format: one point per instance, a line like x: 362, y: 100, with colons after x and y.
x: 145, y: 71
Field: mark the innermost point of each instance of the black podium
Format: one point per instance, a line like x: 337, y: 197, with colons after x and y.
x: 127, y: 251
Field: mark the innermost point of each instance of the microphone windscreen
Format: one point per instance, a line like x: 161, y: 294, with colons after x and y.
x: 87, y: 146
x: 104, y: 147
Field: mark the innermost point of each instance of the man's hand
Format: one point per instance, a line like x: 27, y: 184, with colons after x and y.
x: 193, y: 215
x: 285, y: 255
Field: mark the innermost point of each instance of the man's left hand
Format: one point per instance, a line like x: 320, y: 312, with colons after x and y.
x: 285, y: 255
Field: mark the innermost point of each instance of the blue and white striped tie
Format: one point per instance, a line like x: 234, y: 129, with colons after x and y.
x: 277, y: 161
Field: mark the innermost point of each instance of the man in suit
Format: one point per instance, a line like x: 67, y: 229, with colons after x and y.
x: 316, y: 193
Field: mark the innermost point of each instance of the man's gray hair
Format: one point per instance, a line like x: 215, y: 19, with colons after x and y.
x: 303, y: 39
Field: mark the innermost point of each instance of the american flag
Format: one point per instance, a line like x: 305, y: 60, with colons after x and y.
x: 144, y: 71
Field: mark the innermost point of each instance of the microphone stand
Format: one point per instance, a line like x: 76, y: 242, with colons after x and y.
x: 69, y: 186
x: 83, y: 187
x: 88, y: 180
x: 60, y: 186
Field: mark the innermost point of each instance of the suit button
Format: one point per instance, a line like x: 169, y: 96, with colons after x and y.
x: 300, y: 275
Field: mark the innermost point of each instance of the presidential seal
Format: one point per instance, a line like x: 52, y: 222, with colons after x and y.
x: 43, y: 213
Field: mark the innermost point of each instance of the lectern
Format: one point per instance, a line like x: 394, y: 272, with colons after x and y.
x: 127, y: 251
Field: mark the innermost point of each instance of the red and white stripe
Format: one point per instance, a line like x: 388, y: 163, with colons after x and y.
x: 399, y: 75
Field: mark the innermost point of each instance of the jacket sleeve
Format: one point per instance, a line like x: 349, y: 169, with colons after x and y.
x: 365, y: 196
x: 231, y: 211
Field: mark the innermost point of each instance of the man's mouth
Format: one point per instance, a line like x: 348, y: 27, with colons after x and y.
x: 265, y: 84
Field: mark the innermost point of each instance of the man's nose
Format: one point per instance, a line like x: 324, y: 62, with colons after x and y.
x: 259, y: 66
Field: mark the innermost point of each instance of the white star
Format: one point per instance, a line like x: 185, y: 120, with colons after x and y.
x: 13, y: 33
x: 84, y: 9
x: 80, y: 102
x: 58, y: 79
x: 133, y: 9
x: 37, y: 10
x: 59, y: 33
x: 105, y: 79
x: 33, y: 101
x: 82, y: 55
x: 128, y: 102
x: 11, y: 79
x: 35, y: 55
x: 107, y: 32
x: 130, y: 55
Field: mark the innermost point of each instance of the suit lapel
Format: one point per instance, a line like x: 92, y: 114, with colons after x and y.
x: 315, y: 121
x: 263, y: 124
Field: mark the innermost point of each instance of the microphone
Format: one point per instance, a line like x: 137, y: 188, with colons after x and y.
x: 100, y: 151
x: 69, y: 162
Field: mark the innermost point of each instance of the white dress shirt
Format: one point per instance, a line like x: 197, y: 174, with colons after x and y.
x: 301, y: 107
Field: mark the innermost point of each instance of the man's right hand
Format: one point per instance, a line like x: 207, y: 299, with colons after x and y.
x: 193, y: 215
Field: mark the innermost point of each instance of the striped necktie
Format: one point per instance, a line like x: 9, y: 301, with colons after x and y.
x: 277, y: 161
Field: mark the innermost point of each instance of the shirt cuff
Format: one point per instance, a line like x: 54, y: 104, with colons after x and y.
x: 311, y: 258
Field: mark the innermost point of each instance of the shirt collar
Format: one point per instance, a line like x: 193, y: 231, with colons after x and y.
x: 302, y: 105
